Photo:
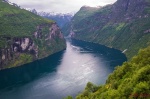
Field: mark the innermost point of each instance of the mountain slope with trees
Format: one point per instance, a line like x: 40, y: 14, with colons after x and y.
x: 124, y: 25
x: 25, y: 37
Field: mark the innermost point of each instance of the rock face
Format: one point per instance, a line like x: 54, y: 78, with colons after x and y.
x: 129, y: 10
x: 122, y: 25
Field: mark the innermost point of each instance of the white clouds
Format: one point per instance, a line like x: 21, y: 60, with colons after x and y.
x: 60, y: 6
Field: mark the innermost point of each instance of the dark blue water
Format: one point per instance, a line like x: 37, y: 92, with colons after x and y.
x: 62, y: 74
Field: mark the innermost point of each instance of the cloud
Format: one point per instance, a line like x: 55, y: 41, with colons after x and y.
x: 60, y: 6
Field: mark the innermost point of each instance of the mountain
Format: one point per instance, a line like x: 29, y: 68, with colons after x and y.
x: 60, y: 18
x: 33, y: 11
x: 83, y: 13
x: 14, y: 4
x: 25, y: 37
x: 129, y: 81
x: 124, y: 25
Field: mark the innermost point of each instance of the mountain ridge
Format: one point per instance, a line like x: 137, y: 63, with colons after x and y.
x: 60, y: 18
x: 122, y: 25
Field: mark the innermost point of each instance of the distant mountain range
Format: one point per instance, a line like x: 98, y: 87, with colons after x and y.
x: 60, y: 18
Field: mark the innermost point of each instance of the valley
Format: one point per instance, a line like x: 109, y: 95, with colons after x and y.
x: 99, y: 52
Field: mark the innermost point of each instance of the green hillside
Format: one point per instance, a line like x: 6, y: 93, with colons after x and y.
x: 129, y: 81
x: 25, y: 37
x: 84, y: 12
x: 19, y: 21
x: 125, y: 25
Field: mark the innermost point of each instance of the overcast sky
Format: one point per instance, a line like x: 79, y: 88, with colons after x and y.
x: 60, y: 6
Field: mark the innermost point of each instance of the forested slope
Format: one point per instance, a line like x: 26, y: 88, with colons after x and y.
x: 124, y: 25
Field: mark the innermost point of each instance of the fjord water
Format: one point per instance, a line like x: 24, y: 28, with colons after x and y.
x: 62, y: 74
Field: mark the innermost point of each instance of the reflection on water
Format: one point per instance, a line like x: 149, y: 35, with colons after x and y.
x: 62, y: 74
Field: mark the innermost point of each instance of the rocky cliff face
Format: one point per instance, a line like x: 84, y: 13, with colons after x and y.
x: 123, y: 25
x: 22, y: 50
x: 129, y: 10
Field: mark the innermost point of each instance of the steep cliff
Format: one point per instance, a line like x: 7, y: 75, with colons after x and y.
x: 25, y: 37
x: 123, y: 25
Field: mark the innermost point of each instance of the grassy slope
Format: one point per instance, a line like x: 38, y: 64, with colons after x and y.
x: 19, y: 21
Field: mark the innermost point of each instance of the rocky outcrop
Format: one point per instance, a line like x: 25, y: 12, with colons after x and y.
x: 18, y: 46
x: 54, y: 31
x: 147, y: 31
x: 15, y: 47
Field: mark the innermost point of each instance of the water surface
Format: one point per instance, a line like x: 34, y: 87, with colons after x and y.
x: 62, y: 74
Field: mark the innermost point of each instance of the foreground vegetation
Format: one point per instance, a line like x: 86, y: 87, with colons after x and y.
x: 129, y: 81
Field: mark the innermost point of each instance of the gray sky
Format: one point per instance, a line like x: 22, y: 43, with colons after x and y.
x: 60, y: 6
